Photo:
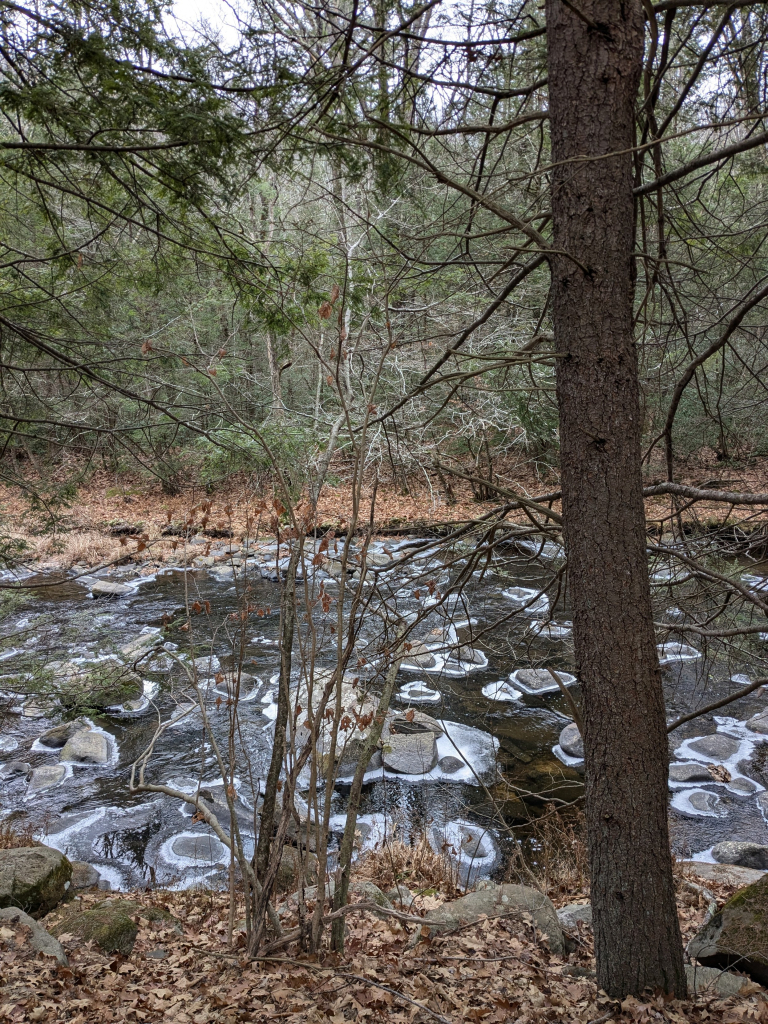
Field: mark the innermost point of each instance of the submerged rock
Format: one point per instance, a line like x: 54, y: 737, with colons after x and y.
x: 33, y: 878
x: 8, y: 744
x: 28, y: 932
x: 415, y: 754
x: 571, y: 741
x: 516, y: 902
x: 737, y: 934
x: 745, y: 855
x: 13, y: 769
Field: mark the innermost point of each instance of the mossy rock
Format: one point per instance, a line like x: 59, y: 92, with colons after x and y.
x: 288, y: 874
x: 112, y: 924
x: 106, y: 684
x: 737, y: 934
x: 33, y: 878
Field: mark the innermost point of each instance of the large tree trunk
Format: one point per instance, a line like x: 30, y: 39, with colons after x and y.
x: 595, y: 60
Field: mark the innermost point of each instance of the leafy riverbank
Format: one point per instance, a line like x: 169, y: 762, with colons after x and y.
x: 494, y: 971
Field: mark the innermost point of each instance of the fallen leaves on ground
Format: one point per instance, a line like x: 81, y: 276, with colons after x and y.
x: 496, y: 971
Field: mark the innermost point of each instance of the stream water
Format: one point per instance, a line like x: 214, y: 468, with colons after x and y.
x: 467, y: 670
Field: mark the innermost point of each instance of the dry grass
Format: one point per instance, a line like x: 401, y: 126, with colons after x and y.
x: 562, y: 866
x: 418, y: 867
x: 16, y: 834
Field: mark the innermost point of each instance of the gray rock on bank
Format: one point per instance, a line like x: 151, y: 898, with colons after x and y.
x: 736, y: 935
x: 575, y: 913
x: 517, y: 902
x: 27, y: 931
x: 746, y: 855
x: 112, y: 924
x: 33, y: 878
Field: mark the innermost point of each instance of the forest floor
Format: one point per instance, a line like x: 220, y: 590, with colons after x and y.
x: 495, y: 971
x: 80, y: 530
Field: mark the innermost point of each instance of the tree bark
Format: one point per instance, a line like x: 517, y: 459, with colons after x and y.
x: 595, y: 58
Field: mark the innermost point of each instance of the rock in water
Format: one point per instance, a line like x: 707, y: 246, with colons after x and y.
x: 689, y: 773
x: 746, y: 855
x: 59, y: 734
x: 718, y: 746
x: 33, y: 878
x: 450, y: 764
x: 111, y: 924
x: 105, y: 588
x: 571, y: 741
x: 46, y: 777
x: 86, y: 748
x: 737, y: 934
x: 415, y: 721
x: 27, y: 932
x: 513, y: 901
x: 415, y: 754
x: 759, y: 723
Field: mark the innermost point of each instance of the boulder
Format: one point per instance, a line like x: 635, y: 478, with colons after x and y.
x: 759, y: 723
x: 718, y: 746
x: 691, y: 772
x: 709, y: 981
x: 575, y: 913
x: 517, y: 902
x: 289, y: 872
x: 84, y: 876
x: 105, y: 588
x: 420, y: 655
x: 745, y: 855
x: 571, y: 741
x: 742, y: 786
x: 407, y: 723
x: 415, y: 754
x: 46, y: 777
x: 19, y: 930
x: 737, y: 934
x: 112, y: 924
x: 33, y: 878
x: 704, y: 801
x: 59, y: 734
x: 728, y: 874
x: 400, y: 894
x: 86, y: 747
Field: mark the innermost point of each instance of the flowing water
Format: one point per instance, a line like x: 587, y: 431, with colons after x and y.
x: 501, y: 726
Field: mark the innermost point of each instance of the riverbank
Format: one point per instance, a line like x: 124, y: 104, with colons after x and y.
x: 128, y: 518
x: 182, y: 970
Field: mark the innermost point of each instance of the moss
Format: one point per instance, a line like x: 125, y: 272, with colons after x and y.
x: 33, y: 888
x: 112, y: 924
